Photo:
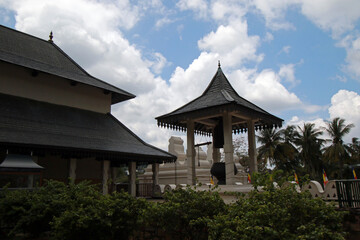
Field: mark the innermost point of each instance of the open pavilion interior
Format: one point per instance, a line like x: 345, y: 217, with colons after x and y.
x: 219, y: 112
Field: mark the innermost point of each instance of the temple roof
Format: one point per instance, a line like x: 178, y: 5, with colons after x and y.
x: 45, y: 56
x: 218, y: 97
x: 70, y: 132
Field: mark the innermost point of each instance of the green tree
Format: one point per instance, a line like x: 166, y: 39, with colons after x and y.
x: 269, y: 140
x: 286, y: 154
x: 309, y: 144
x: 354, y: 150
x: 278, y: 148
x: 337, y: 152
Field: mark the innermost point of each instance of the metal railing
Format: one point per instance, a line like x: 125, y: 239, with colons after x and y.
x: 348, y: 192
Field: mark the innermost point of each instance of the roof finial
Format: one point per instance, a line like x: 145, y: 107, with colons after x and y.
x: 219, y: 63
x: 51, y: 37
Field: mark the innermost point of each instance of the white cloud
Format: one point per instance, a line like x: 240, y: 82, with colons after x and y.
x: 162, y: 22
x: 227, y: 11
x: 346, y: 104
x: 265, y: 90
x: 274, y: 12
x: 159, y: 63
x: 287, y: 72
x: 268, y: 37
x: 198, y: 6
x: 90, y: 32
x: 285, y: 49
x: 232, y: 43
x: 352, y: 46
x: 340, y: 18
x: 332, y: 15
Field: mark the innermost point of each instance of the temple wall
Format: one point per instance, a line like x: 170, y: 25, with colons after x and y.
x: 176, y: 173
x: 18, y: 81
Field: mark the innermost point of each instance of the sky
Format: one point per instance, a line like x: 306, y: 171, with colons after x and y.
x: 297, y: 59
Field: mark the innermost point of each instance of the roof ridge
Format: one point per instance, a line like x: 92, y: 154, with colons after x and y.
x: 55, y: 62
x: 137, y: 137
x: 83, y: 70
x: 24, y: 33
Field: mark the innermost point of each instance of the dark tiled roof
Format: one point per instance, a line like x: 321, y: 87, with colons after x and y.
x: 38, y: 125
x: 31, y: 52
x: 218, y: 96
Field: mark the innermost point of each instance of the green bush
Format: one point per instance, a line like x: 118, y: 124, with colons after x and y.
x: 116, y: 216
x: 60, y: 211
x: 278, y: 214
x: 31, y: 212
x: 182, y: 214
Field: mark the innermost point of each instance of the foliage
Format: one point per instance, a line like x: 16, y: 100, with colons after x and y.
x: 278, y: 214
x: 354, y: 150
x: 73, y: 211
x: 32, y: 211
x: 309, y: 143
x: 82, y: 212
x: 181, y: 214
x: 270, y: 139
x: 115, y: 216
x: 337, y: 153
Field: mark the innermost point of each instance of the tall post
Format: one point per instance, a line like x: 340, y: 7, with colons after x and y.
x: 155, y: 175
x: 132, y: 172
x: 113, y: 171
x: 72, y: 170
x: 106, y: 173
x: 228, y: 149
x: 215, y: 152
x: 252, y: 146
x: 190, y: 154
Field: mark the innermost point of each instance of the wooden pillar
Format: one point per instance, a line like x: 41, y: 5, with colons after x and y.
x: 132, y: 178
x: 105, y: 175
x: 228, y: 149
x: 155, y: 175
x: 30, y: 182
x: 72, y: 170
x: 190, y: 154
x: 252, y: 146
x: 113, y: 171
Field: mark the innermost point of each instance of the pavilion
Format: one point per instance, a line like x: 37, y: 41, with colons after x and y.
x: 219, y: 112
x: 58, y: 115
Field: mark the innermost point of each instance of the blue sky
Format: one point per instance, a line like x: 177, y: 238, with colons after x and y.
x: 297, y: 59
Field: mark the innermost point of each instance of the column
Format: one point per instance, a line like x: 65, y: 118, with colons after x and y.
x: 190, y: 154
x: 113, y: 171
x: 30, y: 182
x: 132, y: 178
x: 252, y: 147
x: 215, y: 154
x: 228, y: 149
x: 105, y: 174
x: 72, y: 170
x: 155, y: 176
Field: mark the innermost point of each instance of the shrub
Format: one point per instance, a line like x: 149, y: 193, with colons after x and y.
x: 278, y: 214
x: 182, y: 213
x: 116, y: 216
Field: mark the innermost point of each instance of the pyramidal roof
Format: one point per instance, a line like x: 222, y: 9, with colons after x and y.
x: 45, y: 56
x: 218, y: 97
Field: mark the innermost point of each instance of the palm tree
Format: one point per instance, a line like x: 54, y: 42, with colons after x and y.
x: 354, y: 150
x: 309, y: 145
x: 337, y: 152
x: 286, y: 154
x: 270, y: 139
